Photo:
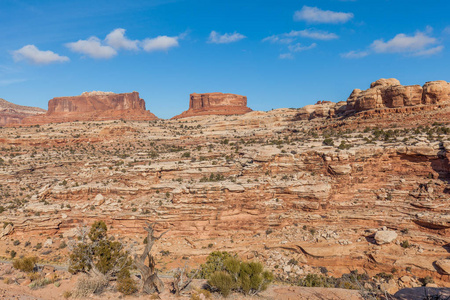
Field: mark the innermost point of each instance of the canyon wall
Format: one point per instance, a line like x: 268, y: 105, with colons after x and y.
x: 215, y: 104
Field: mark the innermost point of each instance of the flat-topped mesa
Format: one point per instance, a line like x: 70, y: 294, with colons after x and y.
x: 94, y: 106
x: 215, y: 104
x: 389, y: 93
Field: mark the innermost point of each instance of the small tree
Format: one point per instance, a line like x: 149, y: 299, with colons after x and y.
x: 98, y: 256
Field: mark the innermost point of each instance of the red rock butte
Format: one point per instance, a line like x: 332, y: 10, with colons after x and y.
x: 215, y: 104
x: 94, y: 106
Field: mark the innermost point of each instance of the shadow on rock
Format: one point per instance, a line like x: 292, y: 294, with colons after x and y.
x: 423, y: 293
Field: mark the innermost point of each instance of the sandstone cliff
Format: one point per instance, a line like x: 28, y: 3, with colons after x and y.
x: 215, y: 104
x: 383, y: 97
x: 94, y: 106
x: 11, y: 113
x: 389, y: 93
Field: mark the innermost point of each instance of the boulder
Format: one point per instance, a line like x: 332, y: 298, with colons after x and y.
x: 444, y: 266
x: 385, y: 237
x: 215, y: 104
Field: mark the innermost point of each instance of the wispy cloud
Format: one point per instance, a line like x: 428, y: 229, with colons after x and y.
x: 290, y: 37
x: 314, y: 34
x: 299, y: 48
x: 429, y: 52
x: 117, y: 40
x: 317, y: 15
x: 32, y: 54
x: 92, y: 47
x: 160, y: 43
x: 402, y: 43
x: 418, y: 44
x: 355, y: 54
x: 5, y: 82
x: 286, y: 56
x: 226, y: 38
x: 279, y: 38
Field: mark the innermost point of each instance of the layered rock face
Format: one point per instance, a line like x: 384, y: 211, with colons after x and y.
x: 92, y: 106
x: 11, y: 113
x: 389, y: 93
x: 258, y: 184
x: 215, y: 104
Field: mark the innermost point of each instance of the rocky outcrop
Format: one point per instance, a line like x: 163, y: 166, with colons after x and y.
x: 322, y: 109
x: 94, y: 106
x: 389, y: 93
x: 215, y: 104
x: 11, y: 113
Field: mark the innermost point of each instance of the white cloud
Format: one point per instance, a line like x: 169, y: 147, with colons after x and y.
x: 217, y: 38
x: 290, y: 37
x: 286, y: 56
x: 298, y: 47
x: 429, y: 52
x: 355, y: 54
x: 117, y: 40
x: 314, y: 34
x: 160, y: 43
x: 92, y: 47
x: 32, y: 54
x: 278, y: 39
x: 316, y: 15
x: 402, y: 43
x: 419, y: 44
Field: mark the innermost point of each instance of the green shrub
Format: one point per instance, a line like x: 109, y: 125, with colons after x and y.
x: 25, y: 264
x: 227, y: 273
x: 125, y: 284
x: 222, y: 281
x: 405, y: 244
x: 328, y: 142
x: 214, y: 262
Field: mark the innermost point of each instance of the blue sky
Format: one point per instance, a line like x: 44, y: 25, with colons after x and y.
x: 277, y: 53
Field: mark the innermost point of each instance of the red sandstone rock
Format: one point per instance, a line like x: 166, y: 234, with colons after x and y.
x: 215, y: 104
x: 435, y: 92
x: 11, y: 113
x: 94, y: 106
x: 389, y: 93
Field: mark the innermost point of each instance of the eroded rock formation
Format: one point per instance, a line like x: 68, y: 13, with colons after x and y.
x: 215, y: 104
x: 94, y: 106
x: 383, y: 96
x: 11, y: 113
x: 389, y: 93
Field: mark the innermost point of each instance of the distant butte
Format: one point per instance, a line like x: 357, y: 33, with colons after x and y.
x: 215, y: 104
x: 94, y: 106
x: 11, y: 113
